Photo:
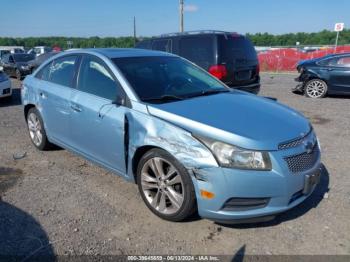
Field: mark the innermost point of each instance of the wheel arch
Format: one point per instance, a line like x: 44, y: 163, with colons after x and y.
x: 27, y: 107
x: 139, y: 153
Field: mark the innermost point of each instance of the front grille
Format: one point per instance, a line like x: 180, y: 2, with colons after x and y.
x: 304, y: 161
x: 293, y: 143
x: 243, y: 204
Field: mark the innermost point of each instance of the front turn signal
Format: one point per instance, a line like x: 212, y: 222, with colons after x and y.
x: 206, y: 194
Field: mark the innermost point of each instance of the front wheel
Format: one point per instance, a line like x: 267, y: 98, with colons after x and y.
x: 165, y: 186
x: 315, y: 88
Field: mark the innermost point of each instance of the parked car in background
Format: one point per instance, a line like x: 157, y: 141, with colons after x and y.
x: 17, y: 64
x: 228, y: 56
x: 39, y: 50
x: 325, y: 75
x: 12, y: 49
x: 160, y: 121
x: 5, y: 85
x: 38, y: 60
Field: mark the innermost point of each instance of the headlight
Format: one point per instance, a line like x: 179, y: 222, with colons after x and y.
x: 236, y: 157
x: 24, y: 67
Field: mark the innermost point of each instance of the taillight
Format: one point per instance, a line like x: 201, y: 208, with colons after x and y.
x: 218, y: 71
x: 258, y: 69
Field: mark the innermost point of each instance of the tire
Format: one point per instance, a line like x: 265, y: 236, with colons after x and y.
x: 18, y: 74
x: 315, y: 88
x: 36, y: 130
x: 168, y: 193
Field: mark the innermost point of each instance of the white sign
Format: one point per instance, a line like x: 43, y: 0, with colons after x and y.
x: 339, y: 27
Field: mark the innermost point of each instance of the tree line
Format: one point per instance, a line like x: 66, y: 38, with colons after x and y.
x: 324, y: 37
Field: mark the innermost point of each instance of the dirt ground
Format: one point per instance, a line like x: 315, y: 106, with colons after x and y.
x: 57, y: 203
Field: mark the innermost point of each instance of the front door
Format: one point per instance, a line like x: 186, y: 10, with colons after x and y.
x: 97, y: 125
x: 340, y: 74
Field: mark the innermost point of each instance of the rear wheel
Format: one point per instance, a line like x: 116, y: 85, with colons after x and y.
x: 315, y: 88
x: 165, y: 186
x: 36, y: 130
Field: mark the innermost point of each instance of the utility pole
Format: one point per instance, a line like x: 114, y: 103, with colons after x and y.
x: 134, y: 31
x: 181, y: 15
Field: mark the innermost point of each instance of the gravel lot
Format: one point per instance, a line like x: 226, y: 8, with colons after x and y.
x: 57, y: 203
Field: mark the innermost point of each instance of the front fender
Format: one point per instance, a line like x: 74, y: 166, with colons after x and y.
x: 147, y: 130
x: 312, y: 73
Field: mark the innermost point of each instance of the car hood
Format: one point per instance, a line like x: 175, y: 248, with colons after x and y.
x: 242, y: 119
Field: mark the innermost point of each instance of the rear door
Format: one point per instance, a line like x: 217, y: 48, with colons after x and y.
x: 339, y: 74
x: 97, y: 125
x: 239, y: 55
x: 54, y: 92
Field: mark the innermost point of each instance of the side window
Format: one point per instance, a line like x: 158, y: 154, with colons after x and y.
x: 5, y: 58
x: 95, y: 78
x: 62, y: 71
x: 44, y: 73
x: 162, y: 45
x: 344, y: 61
x: 333, y: 61
x: 199, y: 50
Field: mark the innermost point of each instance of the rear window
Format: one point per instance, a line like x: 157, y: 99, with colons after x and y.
x: 237, y: 48
x: 199, y: 50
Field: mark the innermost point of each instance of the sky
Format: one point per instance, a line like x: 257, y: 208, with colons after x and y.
x: 102, y: 18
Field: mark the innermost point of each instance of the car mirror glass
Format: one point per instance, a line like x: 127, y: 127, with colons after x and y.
x: 119, y: 100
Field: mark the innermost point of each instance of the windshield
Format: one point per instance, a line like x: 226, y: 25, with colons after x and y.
x: 154, y: 78
x: 23, y: 57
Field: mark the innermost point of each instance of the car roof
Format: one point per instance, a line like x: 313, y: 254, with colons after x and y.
x: 120, y: 52
x: 335, y: 55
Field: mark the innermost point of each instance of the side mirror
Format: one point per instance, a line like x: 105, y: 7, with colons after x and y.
x: 271, y: 98
x: 119, y: 100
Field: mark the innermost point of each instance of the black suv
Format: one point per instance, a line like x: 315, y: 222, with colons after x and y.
x: 228, y: 56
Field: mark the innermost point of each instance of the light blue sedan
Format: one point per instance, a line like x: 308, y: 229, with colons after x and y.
x: 189, y: 142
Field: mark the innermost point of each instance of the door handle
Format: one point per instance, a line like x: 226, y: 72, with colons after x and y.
x: 76, y: 108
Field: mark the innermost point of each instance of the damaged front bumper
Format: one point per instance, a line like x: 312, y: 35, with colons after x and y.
x: 299, y: 87
x: 249, y: 196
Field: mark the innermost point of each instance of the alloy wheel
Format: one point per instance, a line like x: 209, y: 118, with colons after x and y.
x: 316, y: 89
x: 162, y: 186
x: 35, y: 129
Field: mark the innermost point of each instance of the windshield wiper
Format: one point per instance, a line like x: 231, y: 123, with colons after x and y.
x: 209, y: 92
x: 164, y: 98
